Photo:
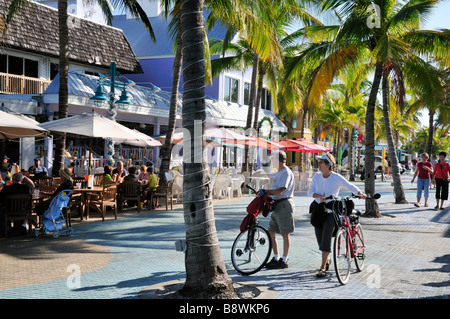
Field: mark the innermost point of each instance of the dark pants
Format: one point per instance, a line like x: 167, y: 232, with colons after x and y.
x: 324, y: 234
x: 441, y: 188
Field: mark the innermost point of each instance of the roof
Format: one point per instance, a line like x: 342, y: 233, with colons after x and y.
x: 35, y: 30
x: 148, y: 102
x: 143, y: 46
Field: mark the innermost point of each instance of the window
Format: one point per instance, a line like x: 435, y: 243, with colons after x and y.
x: 31, y: 68
x: 19, y: 66
x: 231, y: 92
x: 266, y: 100
x: 247, y: 86
x: 15, y: 65
x: 54, y: 69
x: 3, y: 63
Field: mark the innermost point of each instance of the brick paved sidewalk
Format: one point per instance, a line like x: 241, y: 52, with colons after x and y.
x: 408, y: 255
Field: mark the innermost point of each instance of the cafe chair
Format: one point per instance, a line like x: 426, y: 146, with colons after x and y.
x: 43, y: 181
x: 165, y: 192
x: 76, y: 202
x: 236, y: 183
x: 130, y: 191
x: 178, y: 187
x: 107, y: 198
x: 47, y: 191
x: 222, y: 186
x: 97, y: 179
x: 17, y: 207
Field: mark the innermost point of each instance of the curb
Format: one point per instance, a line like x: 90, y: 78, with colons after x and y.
x: 162, y: 290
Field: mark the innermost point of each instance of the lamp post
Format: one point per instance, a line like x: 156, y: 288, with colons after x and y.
x: 99, y: 98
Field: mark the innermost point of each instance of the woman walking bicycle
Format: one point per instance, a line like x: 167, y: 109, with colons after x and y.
x: 324, y: 184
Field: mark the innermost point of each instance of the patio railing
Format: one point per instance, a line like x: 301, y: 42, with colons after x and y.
x: 20, y: 84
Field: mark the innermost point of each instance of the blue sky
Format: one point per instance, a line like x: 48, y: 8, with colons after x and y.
x: 439, y: 17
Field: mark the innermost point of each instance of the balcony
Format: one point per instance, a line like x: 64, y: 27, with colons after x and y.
x: 19, y: 84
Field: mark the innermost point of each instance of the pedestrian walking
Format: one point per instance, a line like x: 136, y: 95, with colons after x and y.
x: 325, y: 183
x: 441, y: 176
x: 282, y: 217
x: 423, y: 173
x: 433, y: 162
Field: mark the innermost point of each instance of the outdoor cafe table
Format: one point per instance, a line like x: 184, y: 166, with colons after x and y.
x: 86, y: 194
x: 258, y: 180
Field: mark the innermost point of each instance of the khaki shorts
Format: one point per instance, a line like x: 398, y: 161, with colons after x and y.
x: 282, y: 218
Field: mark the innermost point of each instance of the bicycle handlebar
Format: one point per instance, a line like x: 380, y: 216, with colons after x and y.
x: 375, y: 196
x: 251, y: 188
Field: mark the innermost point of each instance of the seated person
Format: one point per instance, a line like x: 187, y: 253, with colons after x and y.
x: 20, y: 185
x: 143, y: 175
x: 106, y: 179
x: 152, y: 184
x: 119, y: 173
x: 131, y: 177
x: 37, y: 169
x: 67, y: 184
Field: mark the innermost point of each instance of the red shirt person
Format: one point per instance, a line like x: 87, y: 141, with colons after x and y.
x: 441, y: 175
x: 424, y: 169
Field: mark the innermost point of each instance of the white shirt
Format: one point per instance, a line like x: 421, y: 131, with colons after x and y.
x: 284, y: 178
x: 330, y: 185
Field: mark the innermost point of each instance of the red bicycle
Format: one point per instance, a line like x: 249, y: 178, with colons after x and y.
x: 349, y: 239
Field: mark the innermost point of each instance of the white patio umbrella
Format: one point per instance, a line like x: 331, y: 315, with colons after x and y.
x: 226, y: 134
x: 92, y: 125
x: 14, y: 126
x: 145, y: 141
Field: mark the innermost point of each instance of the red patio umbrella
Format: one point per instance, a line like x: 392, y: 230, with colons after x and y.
x: 256, y: 141
x: 302, y: 145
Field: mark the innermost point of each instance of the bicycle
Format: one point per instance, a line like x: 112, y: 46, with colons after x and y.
x: 349, y: 239
x: 252, y: 248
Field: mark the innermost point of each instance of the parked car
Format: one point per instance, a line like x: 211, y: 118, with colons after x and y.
x: 378, y: 163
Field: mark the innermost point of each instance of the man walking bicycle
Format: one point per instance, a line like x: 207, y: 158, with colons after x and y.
x: 282, y: 218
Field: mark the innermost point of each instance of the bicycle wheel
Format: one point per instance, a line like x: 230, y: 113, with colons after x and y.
x: 342, y: 256
x: 360, y: 248
x: 251, y: 250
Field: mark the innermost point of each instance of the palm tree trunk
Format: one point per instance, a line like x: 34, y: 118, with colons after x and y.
x: 351, y: 154
x: 369, y: 176
x: 206, y: 274
x: 167, y: 148
x: 261, y: 74
x: 398, y: 187
x: 60, y: 141
x: 251, y: 104
x: 430, y: 132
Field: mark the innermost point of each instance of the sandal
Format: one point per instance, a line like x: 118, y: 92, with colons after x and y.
x: 321, y: 273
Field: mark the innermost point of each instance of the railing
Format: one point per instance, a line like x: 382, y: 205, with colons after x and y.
x: 19, y: 84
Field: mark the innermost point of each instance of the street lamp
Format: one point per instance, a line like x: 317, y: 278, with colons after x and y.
x: 100, y: 97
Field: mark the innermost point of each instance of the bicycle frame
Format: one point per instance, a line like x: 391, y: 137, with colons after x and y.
x: 351, y: 233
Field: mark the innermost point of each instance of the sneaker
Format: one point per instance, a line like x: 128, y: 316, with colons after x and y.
x: 436, y: 207
x: 417, y: 204
x: 273, y: 263
x: 282, y: 264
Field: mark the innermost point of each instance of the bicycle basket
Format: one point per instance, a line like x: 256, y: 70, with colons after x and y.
x: 342, y: 207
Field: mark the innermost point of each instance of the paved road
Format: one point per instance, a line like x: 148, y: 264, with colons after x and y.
x: 408, y: 255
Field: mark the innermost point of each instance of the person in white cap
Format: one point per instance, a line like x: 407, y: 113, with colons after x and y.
x: 282, y: 218
x: 325, y: 183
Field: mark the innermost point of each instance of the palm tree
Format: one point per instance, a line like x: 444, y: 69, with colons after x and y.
x: 206, y: 274
x: 63, y: 32
x: 392, y: 38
